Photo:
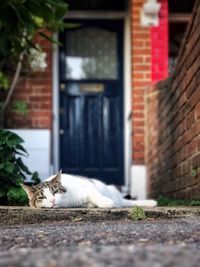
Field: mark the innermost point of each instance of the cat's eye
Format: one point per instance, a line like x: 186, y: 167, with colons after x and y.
x: 59, y: 191
x: 63, y: 190
x: 55, y: 192
x: 40, y: 198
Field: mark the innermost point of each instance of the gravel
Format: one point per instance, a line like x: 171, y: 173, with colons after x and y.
x: 110, y: 243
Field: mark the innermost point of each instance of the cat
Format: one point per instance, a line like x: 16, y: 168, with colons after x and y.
x: 70, y: 191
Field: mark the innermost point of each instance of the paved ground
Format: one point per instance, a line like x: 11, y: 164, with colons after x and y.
x: 26, y: 215
x: 123, y: 243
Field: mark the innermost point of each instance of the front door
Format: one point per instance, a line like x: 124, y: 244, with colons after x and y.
x: 91, y: 100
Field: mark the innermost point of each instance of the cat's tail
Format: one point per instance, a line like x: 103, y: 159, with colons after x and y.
x: 140, y: 203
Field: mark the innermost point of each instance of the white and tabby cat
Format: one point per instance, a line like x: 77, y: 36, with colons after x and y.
x: 68, y: 191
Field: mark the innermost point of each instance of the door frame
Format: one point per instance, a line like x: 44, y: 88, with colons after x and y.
x: 127, y: 89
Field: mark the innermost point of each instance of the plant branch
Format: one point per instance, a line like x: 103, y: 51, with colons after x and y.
x: 14, y: 82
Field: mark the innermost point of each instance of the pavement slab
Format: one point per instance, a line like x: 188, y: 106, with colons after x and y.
x: 26, y: 215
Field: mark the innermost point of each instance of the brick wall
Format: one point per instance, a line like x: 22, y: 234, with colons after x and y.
x: 173, y: 124
x: 36, y: 91
x: 141, y: 77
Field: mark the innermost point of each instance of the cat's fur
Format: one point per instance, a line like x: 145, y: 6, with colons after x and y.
x: 68, y: 191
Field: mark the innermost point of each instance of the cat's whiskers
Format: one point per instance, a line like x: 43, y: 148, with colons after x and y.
x: 53, y: 202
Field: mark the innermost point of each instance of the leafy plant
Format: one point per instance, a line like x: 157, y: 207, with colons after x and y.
x: 4, y: 81
x: 137, y: 213
x: 17, y: 196
x: 12, y: 169
x: 20, y: 107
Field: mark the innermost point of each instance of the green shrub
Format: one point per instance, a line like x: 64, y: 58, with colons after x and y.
x: 12, y: 169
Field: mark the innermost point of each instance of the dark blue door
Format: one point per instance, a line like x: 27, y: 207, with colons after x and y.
x: 91, y: 100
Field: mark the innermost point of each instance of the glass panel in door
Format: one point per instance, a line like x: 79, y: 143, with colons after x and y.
x: 91, y: 54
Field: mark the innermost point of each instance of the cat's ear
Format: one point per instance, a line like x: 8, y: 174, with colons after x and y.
x: 57, y: 178
x: 28, y: 190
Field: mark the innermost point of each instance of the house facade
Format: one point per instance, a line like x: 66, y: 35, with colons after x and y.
x: 87, y: 109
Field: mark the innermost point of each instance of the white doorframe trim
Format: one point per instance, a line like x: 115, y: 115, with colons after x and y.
x: 127, y: 101
x: 127, y: 89
x: 55, y: 106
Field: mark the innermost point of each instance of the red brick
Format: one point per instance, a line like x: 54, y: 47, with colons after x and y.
x: 197, y: 110
x: 138, y: 124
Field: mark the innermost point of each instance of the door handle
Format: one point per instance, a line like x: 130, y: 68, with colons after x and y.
x: 62, y: 87
x: 61, y: 131
x: 61, y: 110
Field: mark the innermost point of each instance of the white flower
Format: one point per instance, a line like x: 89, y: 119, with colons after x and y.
x: 37, y: 59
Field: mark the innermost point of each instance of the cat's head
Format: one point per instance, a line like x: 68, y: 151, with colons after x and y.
x: 44, y: 194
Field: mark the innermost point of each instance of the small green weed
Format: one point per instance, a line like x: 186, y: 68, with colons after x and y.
x: 195, y: 171
x: 137, y: 213
x: 164, y: 201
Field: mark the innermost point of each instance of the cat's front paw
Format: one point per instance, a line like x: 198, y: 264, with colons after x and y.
x: 106, y: 203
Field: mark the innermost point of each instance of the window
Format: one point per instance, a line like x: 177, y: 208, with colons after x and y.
x: 91, y: 53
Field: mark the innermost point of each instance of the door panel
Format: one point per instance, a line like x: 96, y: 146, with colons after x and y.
x: 111, y: 132
x: 91, y: 132
x: 91, y: 100
x: 70, y: 141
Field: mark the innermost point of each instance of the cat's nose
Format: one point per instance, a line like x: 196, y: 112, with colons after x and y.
x: 52, y: 201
